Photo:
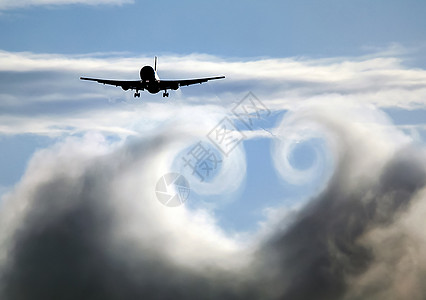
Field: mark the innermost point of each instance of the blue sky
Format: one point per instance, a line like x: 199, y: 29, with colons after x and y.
x: 223, y: 28
x: 228, y: 33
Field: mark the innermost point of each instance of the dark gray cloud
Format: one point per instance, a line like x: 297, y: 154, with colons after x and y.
x: 68, y: 254
x: 315, y: 257
x: 64, y: 247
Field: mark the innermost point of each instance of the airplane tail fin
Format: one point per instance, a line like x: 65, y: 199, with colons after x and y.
x: 155, y: 64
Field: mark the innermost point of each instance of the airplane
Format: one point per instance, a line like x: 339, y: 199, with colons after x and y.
x: 151, y: 82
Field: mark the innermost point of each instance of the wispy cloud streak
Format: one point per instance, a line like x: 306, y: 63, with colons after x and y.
x: 37, y: 88
x: 84, y: 221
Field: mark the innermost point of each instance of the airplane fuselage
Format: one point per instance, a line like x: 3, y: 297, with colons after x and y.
x: 150, y: 79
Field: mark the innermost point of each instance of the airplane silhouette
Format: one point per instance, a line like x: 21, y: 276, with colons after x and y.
x: 151, y: 82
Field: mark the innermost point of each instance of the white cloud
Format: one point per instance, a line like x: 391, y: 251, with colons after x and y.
x: 14, y: 4
x: 41, y: 93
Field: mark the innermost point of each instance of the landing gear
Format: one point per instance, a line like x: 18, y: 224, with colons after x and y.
x: 165, y: 94
x: 137, y: 94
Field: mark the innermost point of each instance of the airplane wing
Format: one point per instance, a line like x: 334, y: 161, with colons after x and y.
x: 125, y: 84
x: 174, y: 84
